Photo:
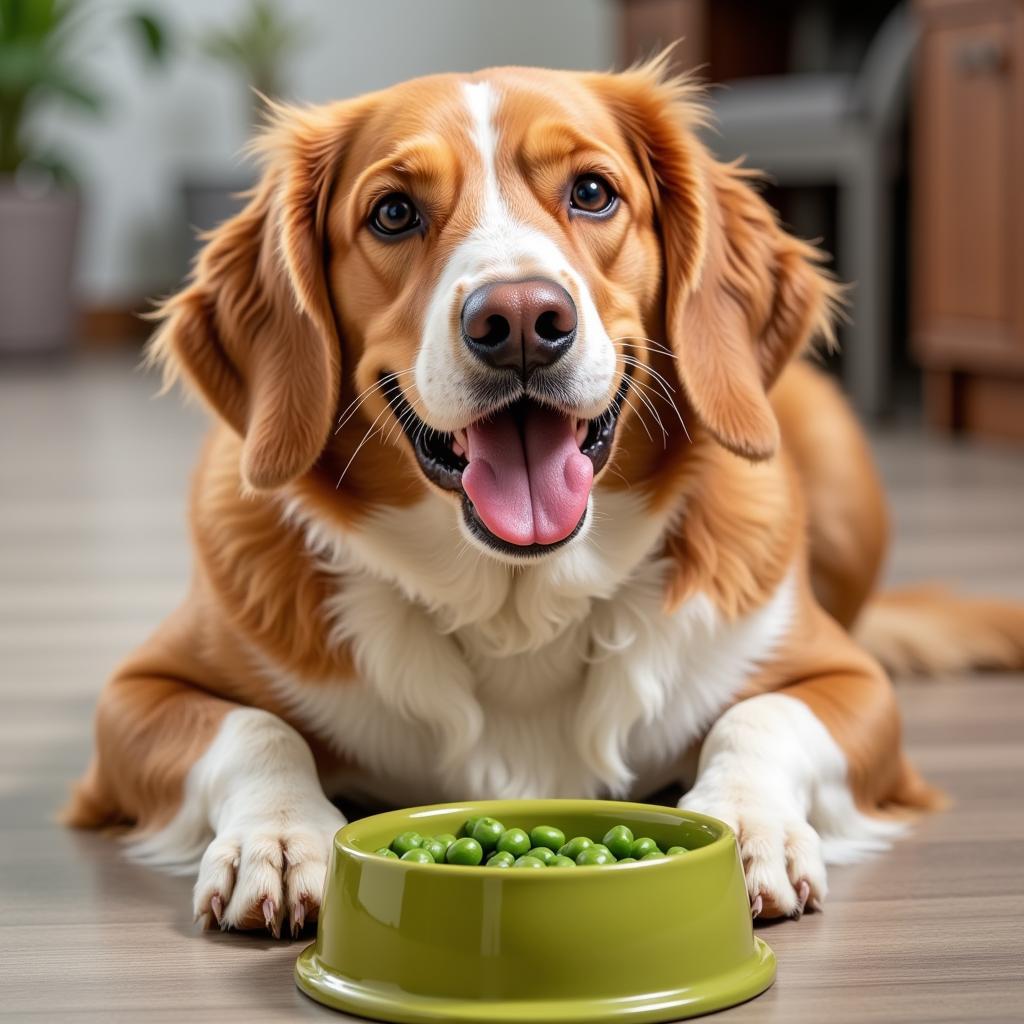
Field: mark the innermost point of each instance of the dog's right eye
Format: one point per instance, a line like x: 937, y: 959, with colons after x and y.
x: 395, y: 214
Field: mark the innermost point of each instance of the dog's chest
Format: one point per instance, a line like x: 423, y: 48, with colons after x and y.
x: 608, y: 704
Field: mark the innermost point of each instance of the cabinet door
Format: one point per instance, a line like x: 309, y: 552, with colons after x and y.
x: 969, y: 207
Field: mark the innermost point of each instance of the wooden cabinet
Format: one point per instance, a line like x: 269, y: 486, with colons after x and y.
x: 968, y: 214
x: 706, y: 35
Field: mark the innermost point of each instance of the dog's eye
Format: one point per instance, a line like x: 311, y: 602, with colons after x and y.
x: 395, y: 214
x: 592, y: 194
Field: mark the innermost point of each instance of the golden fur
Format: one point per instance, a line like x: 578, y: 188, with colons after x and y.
x: 291, y: 316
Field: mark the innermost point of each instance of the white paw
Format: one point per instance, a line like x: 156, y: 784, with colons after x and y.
x: 781, y: 852
x: 267, y: 866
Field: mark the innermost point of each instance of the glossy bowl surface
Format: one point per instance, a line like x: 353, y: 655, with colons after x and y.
x: 653, y: 941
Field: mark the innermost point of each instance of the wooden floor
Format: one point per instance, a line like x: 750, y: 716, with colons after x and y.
x: 93, y: 553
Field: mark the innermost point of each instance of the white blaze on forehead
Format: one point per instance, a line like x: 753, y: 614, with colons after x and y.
x: 482, y: 102
x: 500, y: 247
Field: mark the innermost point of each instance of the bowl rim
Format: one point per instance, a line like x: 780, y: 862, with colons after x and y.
x: 725, y: 838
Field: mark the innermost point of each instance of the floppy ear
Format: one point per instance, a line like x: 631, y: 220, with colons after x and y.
x: 254, y: 331
x: 741, y: 295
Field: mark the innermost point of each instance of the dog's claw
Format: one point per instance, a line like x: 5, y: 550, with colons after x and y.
x: 803, y: 891
x: 756, y: 906
x: 217, y: 907
x: 298, y: 919
x: 270, y: 917
x: 816, y: 905
x: 203, y: 920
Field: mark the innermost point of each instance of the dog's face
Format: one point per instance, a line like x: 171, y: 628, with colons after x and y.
x: 484, y: 269
x: 493, y: 261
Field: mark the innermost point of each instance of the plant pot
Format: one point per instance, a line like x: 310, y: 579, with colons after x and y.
x: 38, y: 237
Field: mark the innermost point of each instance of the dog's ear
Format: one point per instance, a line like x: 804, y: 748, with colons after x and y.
x: 741, y: 296
x: 254, y: 331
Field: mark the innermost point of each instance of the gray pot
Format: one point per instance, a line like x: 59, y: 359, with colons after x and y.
x: 208, y: 203
x: 38, y: 236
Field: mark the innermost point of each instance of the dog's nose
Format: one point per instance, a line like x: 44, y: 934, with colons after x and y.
x: 519, y: 324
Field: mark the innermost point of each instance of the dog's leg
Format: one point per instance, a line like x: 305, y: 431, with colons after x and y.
x: 800, y: 774
x: 230, y: 790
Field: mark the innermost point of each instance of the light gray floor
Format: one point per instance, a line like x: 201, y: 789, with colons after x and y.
x: 93, y: 553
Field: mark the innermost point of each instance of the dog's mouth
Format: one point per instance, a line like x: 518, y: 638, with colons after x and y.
x: 524, y: 470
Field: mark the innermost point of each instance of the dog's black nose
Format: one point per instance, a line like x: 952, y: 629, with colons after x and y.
x: 520, y: 325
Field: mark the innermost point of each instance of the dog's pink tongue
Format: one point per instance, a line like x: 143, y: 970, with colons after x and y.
x: 529, y: 484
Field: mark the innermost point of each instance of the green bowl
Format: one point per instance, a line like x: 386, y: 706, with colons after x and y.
x: 656, y: 940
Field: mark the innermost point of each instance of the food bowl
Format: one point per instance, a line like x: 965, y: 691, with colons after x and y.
x: 654, y: 940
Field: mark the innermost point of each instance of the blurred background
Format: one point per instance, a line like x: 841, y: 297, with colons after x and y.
x: 894, y: 133
x: 890, y: 131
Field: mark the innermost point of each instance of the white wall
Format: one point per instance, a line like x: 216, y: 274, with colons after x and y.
x: 190, y: 118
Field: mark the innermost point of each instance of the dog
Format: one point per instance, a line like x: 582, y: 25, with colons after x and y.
x: 519, y: 487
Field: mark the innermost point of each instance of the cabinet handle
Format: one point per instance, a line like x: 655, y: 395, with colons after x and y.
x: 981, y: 57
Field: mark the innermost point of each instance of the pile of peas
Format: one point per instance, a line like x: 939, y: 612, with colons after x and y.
x: 486, y: 841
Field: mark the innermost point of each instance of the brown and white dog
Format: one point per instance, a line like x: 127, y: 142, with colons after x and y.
x: 513, y: 494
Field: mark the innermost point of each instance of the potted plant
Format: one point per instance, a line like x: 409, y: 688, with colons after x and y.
x: 39, y: 200
x: 255, y: 48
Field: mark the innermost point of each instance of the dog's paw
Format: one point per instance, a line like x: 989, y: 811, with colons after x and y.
x: 267, y: 868
x: 781, y: 852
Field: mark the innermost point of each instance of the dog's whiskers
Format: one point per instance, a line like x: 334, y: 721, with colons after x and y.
x: 650, y: 344
x: 366, y: 437
x: 354, y: 406
x: 666, y: 389
x: 638, y: 389
x: 634, y: 361
x: 641, y: 420
x: 400, y: 422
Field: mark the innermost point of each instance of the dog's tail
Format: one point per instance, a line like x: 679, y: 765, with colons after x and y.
x: 930, y: 630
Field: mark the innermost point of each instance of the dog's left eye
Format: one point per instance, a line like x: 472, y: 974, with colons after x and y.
x: 592, y: 194
x: 395, y: 214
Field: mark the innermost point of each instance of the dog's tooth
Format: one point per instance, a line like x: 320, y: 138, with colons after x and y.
x: 457, y: 448
x: 581, y: 432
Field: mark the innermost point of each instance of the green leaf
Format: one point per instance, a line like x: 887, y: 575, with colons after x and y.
x: 61, y: 84
x: 54, y: 164
x: 151, y: 33
x: 258, y: 44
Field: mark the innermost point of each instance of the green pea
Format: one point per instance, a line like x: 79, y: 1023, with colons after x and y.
x: 501, y: 859
x: 542, y: 853
x: 514, y: 841
x: 592, y: 855
x: 487, y: 832
x: 464, y: 851
x: 627, y: 860
x: 653, y: 855
x: 674, y: 851
x: 435, y: 849
x: 603, y: 849
x: 562, y: 862
x: 528, y: 862
x: 406, y: 841
x: 446, y: 838
x: 643, y: 846
x: 385, y: 852
x: 418, y: 856
x: 574, y: 847
x: 547, y: 836
x: 619, y: 840
x: 468, y: 825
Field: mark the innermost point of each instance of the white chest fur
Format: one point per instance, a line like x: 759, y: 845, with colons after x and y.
x: 566, y: 678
